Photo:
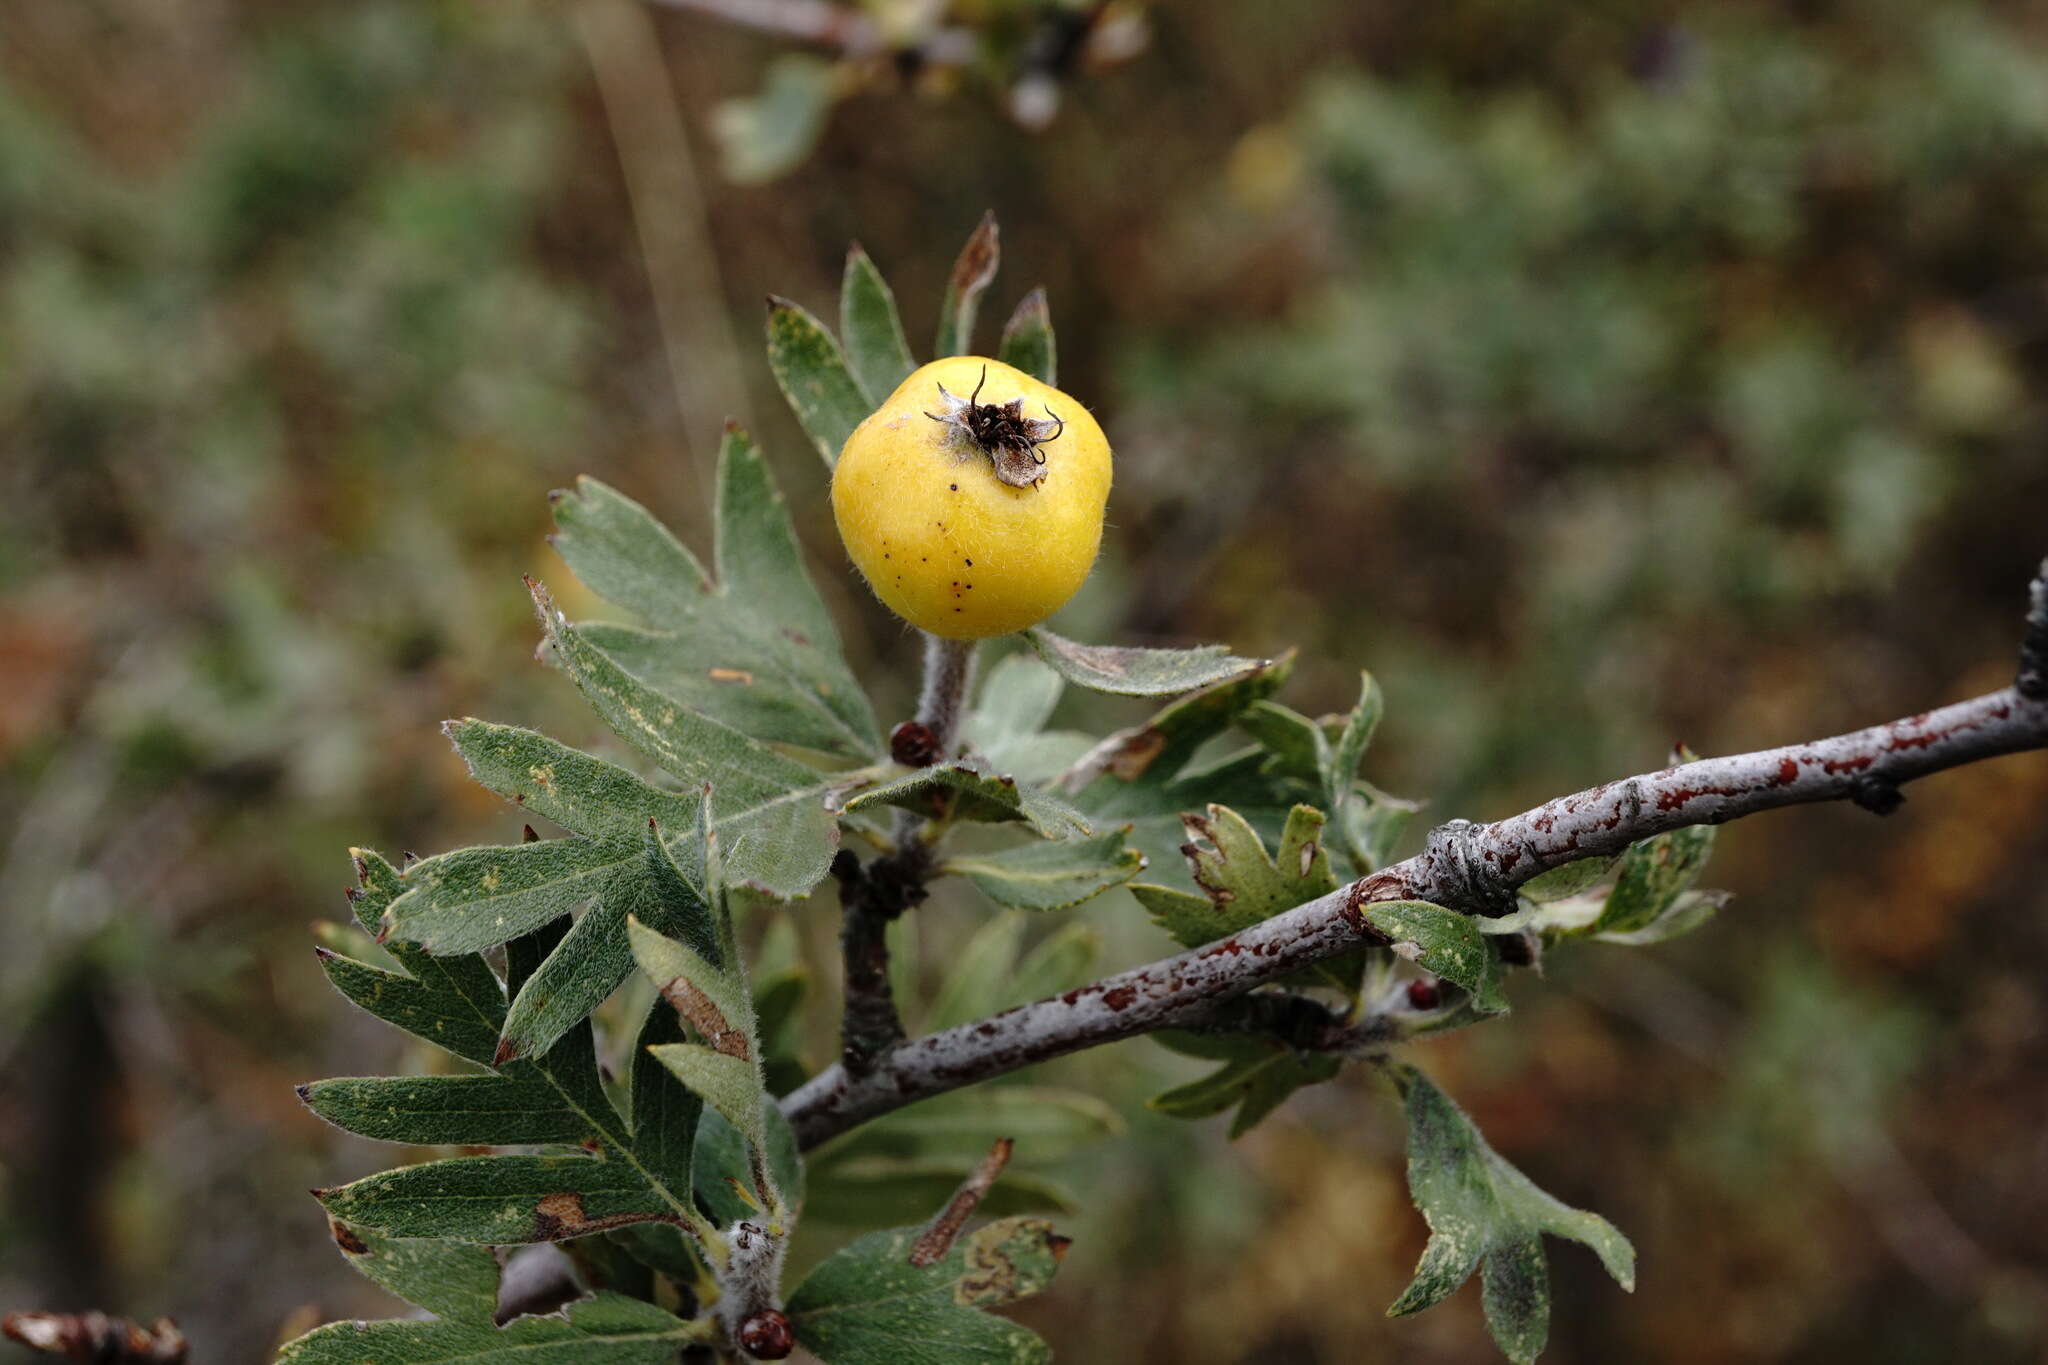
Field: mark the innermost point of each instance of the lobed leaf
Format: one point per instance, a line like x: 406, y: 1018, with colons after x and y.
x: 595, y: 956
x: 972, y: 273
x: 812, y: 372
x: 476, y: 898
x: 770, y: 808
x: 456, y: 1280
x: 1482, y: 1212
x: 455, y: 1003
x: 876, y: 348
x: 499, y: 1200
x: 868, y: 1305
x: 1257, y: 1076
x: 1147, y: 775
x: 1050, y: 875
x: 1027, y: 342
x: 449, y: 1021
x: 447, y: 1111
x: 1132, y: 672
x: 753, y: 648
x: 1242, y: 885
x: 606, y: 1329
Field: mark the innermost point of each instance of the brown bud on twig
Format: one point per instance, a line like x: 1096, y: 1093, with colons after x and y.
x: 97, y: 1337
x: 914, y: 745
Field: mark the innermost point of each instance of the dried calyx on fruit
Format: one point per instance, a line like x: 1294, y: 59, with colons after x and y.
x: 1002, y: 432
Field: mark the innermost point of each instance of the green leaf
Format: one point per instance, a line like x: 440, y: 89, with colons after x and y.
x: 868, y: 1305
x: 1562, y: 883
x: 1444, y: 942
x: 1654, y: 873
x: 1028, y: 341
x: 753, y: 648
x: 1691, y: 910
x: 1147, y: 775
x: 1047, y: 1124
x: 770, y: 809
x: 585, y: 795
x: 969, y: 789
x: 722, y: 1160
x: 449, y: 1021
x: 768, y: 134
x: 499, y: 1200
x: 1256, y: 1078
x: 976, y: 981
x: 594, y: 957
x: 571, y: 1064
x: 454, y: 1279
x: 1064, y: 960
x: 1298, y: 747
x: 1243, y: 885
x: 443, y: 1111
x: 972, y: 273
x: 475, y: 898
x: 1133, y: 672
x: 813, y: 375
x: 729, y: 1084
x: 608, y: 1329
x: 1481, y: 1210
x: 665, y: 1112
x: 859, y: 1192
x: 1340, y: 791
x: 715, y: 1002
x: 1050, y: 875
x: 1007, y: 724
x: 875, y: 345
x: 455, y: 1003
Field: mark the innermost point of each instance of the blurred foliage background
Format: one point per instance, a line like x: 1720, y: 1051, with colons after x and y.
x: 1599, y: 375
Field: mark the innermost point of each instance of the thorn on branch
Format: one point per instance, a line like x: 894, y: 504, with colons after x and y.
x: 2033, y: 678
x: 1876, y: 794
x: 937, y: 1238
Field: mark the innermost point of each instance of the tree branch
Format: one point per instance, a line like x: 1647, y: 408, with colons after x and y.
x: 870, y: 897
x: 1468, y: 866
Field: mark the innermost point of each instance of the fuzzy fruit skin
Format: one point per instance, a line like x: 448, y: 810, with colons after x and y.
x: 944, y: 543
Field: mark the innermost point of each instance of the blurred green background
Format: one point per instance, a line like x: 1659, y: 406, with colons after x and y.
x: 1599, y: 375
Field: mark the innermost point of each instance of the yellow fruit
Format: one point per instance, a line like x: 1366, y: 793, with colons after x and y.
x: 973, y: 514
